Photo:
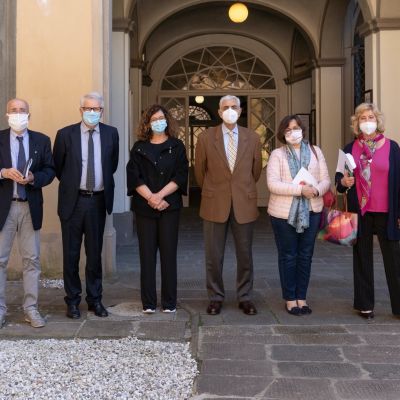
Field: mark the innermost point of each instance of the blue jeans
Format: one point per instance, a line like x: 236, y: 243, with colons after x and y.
x: 295, y: 251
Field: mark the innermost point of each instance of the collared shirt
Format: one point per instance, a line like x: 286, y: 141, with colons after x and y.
x: 98, y: 169
x: 225, y: 134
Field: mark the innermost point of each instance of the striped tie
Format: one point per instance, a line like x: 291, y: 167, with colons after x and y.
x: 232, y: 151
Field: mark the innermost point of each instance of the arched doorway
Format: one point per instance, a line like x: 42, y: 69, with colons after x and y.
x: 193, y: 84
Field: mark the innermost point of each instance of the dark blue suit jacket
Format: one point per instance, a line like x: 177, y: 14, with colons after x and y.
x: 42, y: 168
x: 67, y: 154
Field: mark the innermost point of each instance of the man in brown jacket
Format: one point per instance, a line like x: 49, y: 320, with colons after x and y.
x: 227, y: 167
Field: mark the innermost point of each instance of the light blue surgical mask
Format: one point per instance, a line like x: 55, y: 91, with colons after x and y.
x: 158, y: 126
x: 91, y: 117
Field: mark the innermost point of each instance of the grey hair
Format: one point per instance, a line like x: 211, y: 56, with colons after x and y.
x: 93, y: 96
x: 18, y: 99
x: 229, y: 97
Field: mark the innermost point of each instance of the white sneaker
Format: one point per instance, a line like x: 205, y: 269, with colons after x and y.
x: 34, y: 318
x: 169, y: 310
x: 149, y: 311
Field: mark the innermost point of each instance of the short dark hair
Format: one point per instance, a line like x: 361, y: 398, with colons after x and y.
x: 285, y: 123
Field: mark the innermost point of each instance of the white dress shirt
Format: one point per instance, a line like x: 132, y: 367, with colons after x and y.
x: 225, y: 132
x: 98, y: 169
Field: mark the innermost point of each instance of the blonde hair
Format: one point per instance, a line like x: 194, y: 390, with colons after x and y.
x: 360, y: 109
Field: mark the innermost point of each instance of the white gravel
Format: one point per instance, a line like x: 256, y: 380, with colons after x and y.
x: 95, y: 369
x: 52, y: 283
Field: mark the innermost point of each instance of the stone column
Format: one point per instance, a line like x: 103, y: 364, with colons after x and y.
x: 329, y: 109
x: 7, y: 56
x: 382, y: 76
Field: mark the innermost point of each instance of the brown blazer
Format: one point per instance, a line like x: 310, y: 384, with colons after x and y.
x: 220, y: 187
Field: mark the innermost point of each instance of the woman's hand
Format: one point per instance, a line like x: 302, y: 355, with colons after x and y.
x: 162, y: 206
x: 154, y: 200
x: 309, y: 191
x: 347, y: 181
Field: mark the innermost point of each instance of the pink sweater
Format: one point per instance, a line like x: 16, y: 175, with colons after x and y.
x: 379, y: 200
x: 282, y: 190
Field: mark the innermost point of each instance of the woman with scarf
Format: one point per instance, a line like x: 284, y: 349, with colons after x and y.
x: 374, y: 193
x: 295, y: 209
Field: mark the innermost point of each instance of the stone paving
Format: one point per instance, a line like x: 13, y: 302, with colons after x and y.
x: 331, y: 354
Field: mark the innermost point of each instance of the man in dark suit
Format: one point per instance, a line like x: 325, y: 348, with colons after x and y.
x: 85, y: 158
x: 21, y: 203
x: 227, y: 167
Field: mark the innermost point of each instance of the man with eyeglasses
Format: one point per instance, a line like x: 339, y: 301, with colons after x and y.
x: 26, y: 165
x: 85, y: 158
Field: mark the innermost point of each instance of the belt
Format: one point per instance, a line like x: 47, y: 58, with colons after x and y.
x: 89, y: 193
x: 19, y: 200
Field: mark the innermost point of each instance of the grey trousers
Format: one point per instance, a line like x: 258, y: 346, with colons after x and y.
x: 215, y: 234
x: 19, y: 223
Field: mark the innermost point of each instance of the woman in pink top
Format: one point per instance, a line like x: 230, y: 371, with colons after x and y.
x: 295, y: 209
x: 374, y: 193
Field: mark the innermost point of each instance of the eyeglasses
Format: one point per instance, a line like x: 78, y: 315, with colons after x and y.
x: 95, y: 109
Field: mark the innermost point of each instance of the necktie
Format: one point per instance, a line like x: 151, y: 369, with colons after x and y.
x: 232, y: 151
x: 21, y: 162
x: 90, y: 179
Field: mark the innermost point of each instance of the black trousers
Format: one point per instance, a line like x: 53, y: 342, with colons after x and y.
x: 158, y: 234
x: 88, y: 220
x: 363, y: 268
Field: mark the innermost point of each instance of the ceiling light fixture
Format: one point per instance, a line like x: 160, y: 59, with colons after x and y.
x: 238, y: 13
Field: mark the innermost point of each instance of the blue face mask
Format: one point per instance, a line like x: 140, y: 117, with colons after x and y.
x: 91, y: 117
x: 158, y: 126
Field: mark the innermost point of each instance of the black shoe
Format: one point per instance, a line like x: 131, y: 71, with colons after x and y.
x: 293, y: 310
x: 73, y: 311
x: 248, y: 307
x: 214, y: 308
x: 367, y: 315
x: 305, y: 310
x: 98, y: 310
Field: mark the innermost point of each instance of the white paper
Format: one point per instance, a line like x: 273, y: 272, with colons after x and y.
x: 304, y: 176
x: 350, y: 163
x: 341, y: 162
x: 27, y: 167
x: 345, y: 163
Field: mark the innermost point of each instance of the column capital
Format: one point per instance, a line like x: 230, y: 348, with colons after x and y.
x: 379, y: 24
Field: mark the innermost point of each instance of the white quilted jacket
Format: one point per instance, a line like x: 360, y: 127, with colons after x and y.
x: 282, y: 190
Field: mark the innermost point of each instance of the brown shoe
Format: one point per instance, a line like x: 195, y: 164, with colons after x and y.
x: 248, y: 307
x: 214, y: 307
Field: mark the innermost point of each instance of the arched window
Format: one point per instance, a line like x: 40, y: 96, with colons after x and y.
x: 218, y: 68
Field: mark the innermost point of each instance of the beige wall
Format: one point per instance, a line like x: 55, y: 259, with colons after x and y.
x: 56, y: 64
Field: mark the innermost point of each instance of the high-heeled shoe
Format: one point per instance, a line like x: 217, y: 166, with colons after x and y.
x: 293, y: 311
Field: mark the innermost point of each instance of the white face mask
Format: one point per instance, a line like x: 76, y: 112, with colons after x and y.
x: 294, y: 136
x: 18, y: 122
x: 230, y: 116
x: 368, y: 128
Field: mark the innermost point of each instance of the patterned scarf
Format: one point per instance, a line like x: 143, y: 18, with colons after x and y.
x: 299, y: 214
x: 363, y: 173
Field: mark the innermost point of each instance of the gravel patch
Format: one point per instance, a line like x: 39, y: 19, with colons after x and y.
x: 52, y: 283
x: 95, y: 369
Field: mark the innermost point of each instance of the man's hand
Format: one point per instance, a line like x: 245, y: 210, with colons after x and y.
x: 12, y: 173
x: 30, y: 178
